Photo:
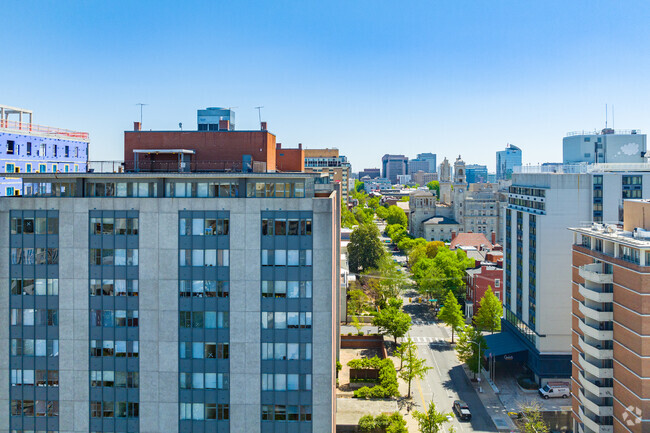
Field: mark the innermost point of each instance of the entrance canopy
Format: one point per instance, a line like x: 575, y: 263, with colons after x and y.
x: 505, y: 347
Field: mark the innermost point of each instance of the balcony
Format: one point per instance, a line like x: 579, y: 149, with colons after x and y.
x: 594, y: 370
x: 595, y: 388
x: 594, y: 426
x: 597, y: 314
x: 594, y: 272
x: 595, y: 295
x: 597, y: 407
x: 595, y: 332
x: 595, y: 350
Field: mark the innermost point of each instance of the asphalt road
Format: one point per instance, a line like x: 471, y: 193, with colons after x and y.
x: 447, y: 381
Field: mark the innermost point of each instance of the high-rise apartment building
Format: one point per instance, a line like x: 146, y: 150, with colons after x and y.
x: 29, y: 148
x: 330, y: 162
x: 537, y: 246
x: 611, y: 279
x: 392, y: 165
x: 170, y: 302
x: 507, y: 160
x: 476, y: 173
x: 606, y: 146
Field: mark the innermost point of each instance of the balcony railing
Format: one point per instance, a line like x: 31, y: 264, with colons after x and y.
x: 175, y: 167
x: 49, y: 131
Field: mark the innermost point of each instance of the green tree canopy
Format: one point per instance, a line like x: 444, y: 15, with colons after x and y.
x: 490, y: 312
x: 365, y: 249
x: 348, y: 219
x: 431, y: 421
x: 412, y: 365
x: 396, y: 232
x: 396, y: 216
x: 373, y: 203
x: 434, y: 185
x: 392, y: 320
x: 382, y: 212
x: 468, y: 345
x: 407, y: 244
x: 359, y: 186
x: 433, y: 247
x: 451, y: 314
x: 533, y: 421
x: 363, y: 215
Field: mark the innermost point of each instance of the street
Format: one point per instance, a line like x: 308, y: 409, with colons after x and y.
x: 447, y: 381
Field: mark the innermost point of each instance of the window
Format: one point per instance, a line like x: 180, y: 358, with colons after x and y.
x: 55, y: 168
x: 56, y: 150
x: 10, y: 191
x: 9, y: 168
x: 497, y: 282
x: 29, y: 148
x: 42, y: 168
x: 10, y: 147
x: 28, y: 168
x: 67, y: 152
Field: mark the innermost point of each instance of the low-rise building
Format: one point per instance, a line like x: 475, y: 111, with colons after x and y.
x: 329, y: 161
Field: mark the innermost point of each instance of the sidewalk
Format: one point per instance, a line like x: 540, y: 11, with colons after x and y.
x: 492, y: 403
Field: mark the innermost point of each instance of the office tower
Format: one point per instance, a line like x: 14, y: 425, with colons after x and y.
x: 423, y: 178
x: 425, y: 162
x: 445, y: 171
x: 330, y: 162
x: 392, y: 165
x: 431, y: 158
x: 606, y: 146
x: 537, y: 249
x: 29, y: 148
x: 215, y: 119
x: 476, y: 173
x: 507, y: 160
x: 170, y: 302
x: 611, y: 265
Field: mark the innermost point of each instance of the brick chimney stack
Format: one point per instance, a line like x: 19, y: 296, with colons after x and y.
x: 263, y: 126
x: 300, y: 146
x: 494, y: 237
x: 137, y: 126
x: 224, y: 125
x: 453, y: 235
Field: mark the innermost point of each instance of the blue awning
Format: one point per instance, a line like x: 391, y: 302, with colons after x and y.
x: 505, y: 346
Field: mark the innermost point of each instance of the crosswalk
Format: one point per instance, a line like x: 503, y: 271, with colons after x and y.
x: 428, y: 340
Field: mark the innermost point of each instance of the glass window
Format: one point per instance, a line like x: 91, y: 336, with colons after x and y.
x: 280, y: 257
x: 210, y: 257
x: 197, y: 226
x: 197, y: 257
x: 280, y: 382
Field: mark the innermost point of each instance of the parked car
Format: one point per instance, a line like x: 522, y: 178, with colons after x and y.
x: 462, y: 410
x: 555, y: 389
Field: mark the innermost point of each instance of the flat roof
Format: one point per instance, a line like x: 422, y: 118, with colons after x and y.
x: 154, y: 175
x: 618, y: 235
x: 187, y: 151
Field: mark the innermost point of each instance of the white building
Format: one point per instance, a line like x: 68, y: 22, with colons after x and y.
x: 606, y: 146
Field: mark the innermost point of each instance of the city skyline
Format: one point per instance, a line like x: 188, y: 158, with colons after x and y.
x: 461, y: 78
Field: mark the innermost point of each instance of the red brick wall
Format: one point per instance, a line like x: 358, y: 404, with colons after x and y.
x: 482, y: 281
x: 209, y: 145
x: 290, y: 159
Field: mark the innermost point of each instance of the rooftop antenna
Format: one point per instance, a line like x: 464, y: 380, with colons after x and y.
x: 259, y: 113
x: 605, y: 116
x: 141, y: 105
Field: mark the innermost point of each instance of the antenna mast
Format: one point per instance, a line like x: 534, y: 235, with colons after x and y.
x: 605, y: 116
x: 259, y: 113
x: 141, y: 105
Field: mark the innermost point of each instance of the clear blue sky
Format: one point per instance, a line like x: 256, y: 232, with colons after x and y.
x: 369, y: 77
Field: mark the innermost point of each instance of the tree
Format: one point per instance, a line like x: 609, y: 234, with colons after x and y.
x: 347, y: 217
x: 363, y: 215
x: 467, y: 349
x: 407, y: 244
x: 391, y: 279
x: 434, y: 185
x: 359, y: 186
x: 358, y: 301
x: 373, y: 203
x: 413, y: 366
x: 392, y: 320
x: 382, y: 212
x: 533, y: 421
x: 431, y: 421
x: 451, y: 314
x: 365, y: 249
x: 396, y: 216
x: 489, y: 313
x: 433, y: 247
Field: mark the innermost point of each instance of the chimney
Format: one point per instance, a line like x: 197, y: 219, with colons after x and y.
x: 224, y: 125
x: 299, y: 146
x: 137, y: 126
x: 494, y: 237
x: 263, y: 126
x: 278, y: 145
x: 453, y: 235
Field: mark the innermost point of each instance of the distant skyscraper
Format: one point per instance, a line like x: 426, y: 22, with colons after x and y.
x: 445, y: 171
x: 393, y: 165
x: 608, y: 146
x: 208, y: 119
x: 506, y: 161
x: 425, y: 162
x: 476, y: 173
x: 370, y: 172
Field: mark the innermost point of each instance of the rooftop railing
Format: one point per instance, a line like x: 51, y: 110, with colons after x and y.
x: 49, y: 131
x: 609, y: 132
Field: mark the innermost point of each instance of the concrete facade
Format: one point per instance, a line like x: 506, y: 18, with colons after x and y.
x: 606, y: 146
x: 158, y: 393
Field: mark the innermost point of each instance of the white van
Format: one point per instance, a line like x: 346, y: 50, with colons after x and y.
x: 555, y: 389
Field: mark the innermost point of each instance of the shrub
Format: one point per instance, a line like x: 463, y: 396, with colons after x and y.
x: 387, y: 378
x: 527, y: 383
x: 367, y: 423
x: 384, y: 423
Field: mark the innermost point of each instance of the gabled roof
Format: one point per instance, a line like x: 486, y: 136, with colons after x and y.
x: 470, y: 240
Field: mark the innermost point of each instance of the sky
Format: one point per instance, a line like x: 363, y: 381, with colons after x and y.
x: 367, y: 77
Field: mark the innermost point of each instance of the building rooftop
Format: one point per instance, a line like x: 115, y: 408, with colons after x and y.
x: 476, y: 240
x: 439, y: 220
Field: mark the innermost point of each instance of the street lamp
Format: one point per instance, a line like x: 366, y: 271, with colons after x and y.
x: 478, y: 364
